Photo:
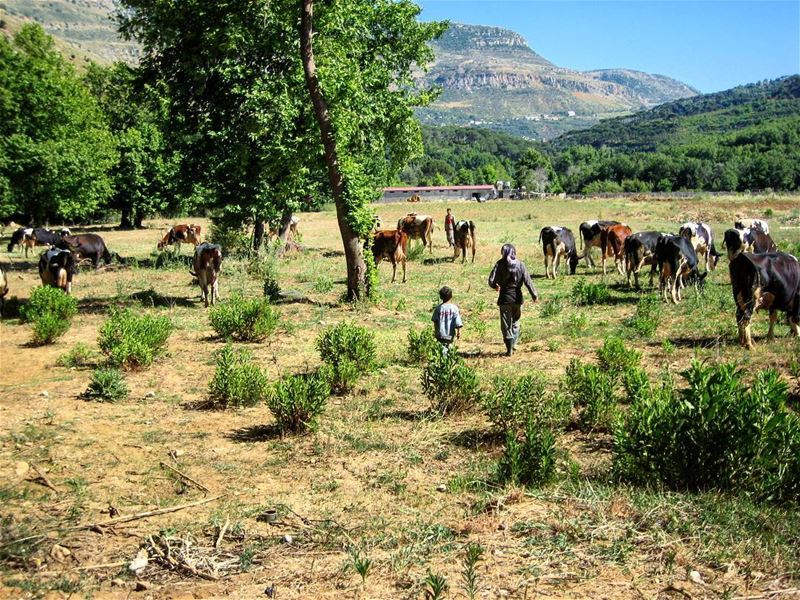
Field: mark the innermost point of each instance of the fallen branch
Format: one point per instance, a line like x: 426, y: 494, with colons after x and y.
x: 222, y: 533
x: 116, y: 520
x: 44, y: 478
x: 185, y: 476
x: 771, y: 594
x: 86, y: 568
x: 181, y: 564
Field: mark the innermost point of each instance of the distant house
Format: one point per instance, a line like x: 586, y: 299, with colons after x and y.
x: 436, y: 192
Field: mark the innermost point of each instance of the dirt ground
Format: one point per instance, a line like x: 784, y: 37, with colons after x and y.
x: 379, y: 479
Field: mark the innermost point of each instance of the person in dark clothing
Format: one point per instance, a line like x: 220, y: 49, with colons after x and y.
x: 508, y: 276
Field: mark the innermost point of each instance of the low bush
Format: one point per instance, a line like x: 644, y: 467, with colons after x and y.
x: 586, y: 294
x: 513, y: 401
x: 552, y: 307
x: 49, y: 311
x: 272, y: 288
x: 107, y: 385
x: 615, y: 358
x: 350, y: 351
x: 593, y: 390
x: 237, y: 380
x: 234, y: 239
x: 647, y: 317
x: 323, y: 284
x: 81, y: 355
x: 450, y: 384
x: 132, y: 340
x: 296, y: 400
x: 576, y: 323
x: 244, y: 319
x: 719, y: 432
x: 421, y: 344
x: 529, y: 459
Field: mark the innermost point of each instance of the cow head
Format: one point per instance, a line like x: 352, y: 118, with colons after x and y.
x: 573, y: 261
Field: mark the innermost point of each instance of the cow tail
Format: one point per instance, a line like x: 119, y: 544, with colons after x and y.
x: 107, y: 257
x: 540, y: 234
x: 472, y: 233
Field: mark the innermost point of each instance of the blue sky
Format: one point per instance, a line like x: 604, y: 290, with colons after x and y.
x: 711, y: 45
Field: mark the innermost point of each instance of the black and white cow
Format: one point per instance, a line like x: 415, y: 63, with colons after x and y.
x: 30, y: 237
x: 677, y: 262
x: 640, y: 250
x: 737, y: 241
x: 757, y: 224
x: 57, y: 268
x: 558, y: 242
x: 590, y: 237
x: 464, y: 238
x: 768, y: 281
x: 700, y: 236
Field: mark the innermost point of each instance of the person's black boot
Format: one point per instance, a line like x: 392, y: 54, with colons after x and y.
x: 509, y: 347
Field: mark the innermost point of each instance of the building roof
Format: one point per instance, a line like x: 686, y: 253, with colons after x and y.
x: 438, y: 188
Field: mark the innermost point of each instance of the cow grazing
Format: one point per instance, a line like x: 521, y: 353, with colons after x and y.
x: 736, y: 241
x: 700, y: 236
x: 391, y: 245
x: 464, y: 236
x: 558, y: 242
x: 757, y: 224
x: 57, y: 267
x: 640, y: 250
x: 30, y: 237
x: 179, y: 234
x: 19, y: 238
x: 86, y: 246
x: 418, y: 227
x: 590, y: 237
x: 768, y: 281
x: 207, y: 264
x: 677, y: 262
x: 3, y: 290
x: 612, y: 243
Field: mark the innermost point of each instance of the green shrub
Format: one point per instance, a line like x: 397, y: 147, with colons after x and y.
x: 49, y: 311
x: 415, y: 251
x: 272, y: 288
x: 450, y: 384
x: 552, y: 307
x: 587, y: 294
x: 237, y: 380
x: 323, y: 284
x: 576, y: 323
x: 530, y: 459
x: 234, y: 239
x: 513, y: 401
x: 647, y: 317
x: 350, y: 351
x: 244, y: 319
x: 593, y: 390
x: 421, y: 344
x: 297, y: 400
x: 615, y: 358
x: 107, y: 385
x: 131, y: 340
x: 81, y: 355
x: 718, y: 433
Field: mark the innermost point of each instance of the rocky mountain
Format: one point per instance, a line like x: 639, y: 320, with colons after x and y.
x: 489, y: 75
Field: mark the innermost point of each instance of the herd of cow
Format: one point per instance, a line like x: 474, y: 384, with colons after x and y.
x: 761, y: 276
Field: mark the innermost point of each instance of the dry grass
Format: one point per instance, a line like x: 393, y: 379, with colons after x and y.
x: 368, y: 478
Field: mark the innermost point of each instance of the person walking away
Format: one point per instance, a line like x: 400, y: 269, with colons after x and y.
x: 508, y: 276
x: 446, y: 319
x: 449, y: 229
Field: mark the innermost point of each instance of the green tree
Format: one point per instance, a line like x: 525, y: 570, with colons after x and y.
x: 535, y: 172
x: 55, y: 148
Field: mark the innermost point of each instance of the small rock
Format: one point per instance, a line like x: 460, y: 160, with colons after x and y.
x: 441, y: 488
x: 141, y: 586
x: 139, y: 563
x: 21, y: 468
x: 503, y: 593
x: 502, y: 526
x: 59, y: 553
x: 150, y: 394
x: 287, y: 539
x: 44, y: 394
x: 696, y: 577
x: 117, y: 583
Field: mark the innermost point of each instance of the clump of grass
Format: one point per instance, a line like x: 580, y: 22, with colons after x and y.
x: 473, y: 554
x: 107, y: 385
x: 297, y: 400
x: 421, y: 344
x: 435, y: 586
x: 615, y: 358
x: 451, y: 385
x: 49, y: 311
x: 529, y: 459
x: 323, y: 284
x: 350, y: 351
x: 552, y: 307
x: 647, y: 317
x: 513, y: 401
x: 81, y: 355
x: 416, y: 251
x: 131, y: 340
x: 237, y: 380
x: 576, y: 323
x: 586, y: 294
x: 244, y: 319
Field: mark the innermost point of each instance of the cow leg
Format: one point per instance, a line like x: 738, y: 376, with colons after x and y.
x: 557, y: 264
x: 394, y: 270
x: 620, y: 265
x: 404, y: 269
x: 463, y: 254
x: 773, y: 316
x: 473, y: 253
x: 794, y: 326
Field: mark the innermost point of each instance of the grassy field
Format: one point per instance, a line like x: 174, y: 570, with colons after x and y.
x: 380, y: 480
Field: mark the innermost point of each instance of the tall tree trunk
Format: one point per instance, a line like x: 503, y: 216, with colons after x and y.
x: 138, y: 220
x: 258, y: 234
x: 125, y: 219
x: 283, y: 233
x: 356, y: 269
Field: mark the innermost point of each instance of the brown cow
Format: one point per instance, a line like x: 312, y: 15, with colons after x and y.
x: 612, y: 243
x: 3, y: 290
x: 179, y: 234
x: 207, y: 265
x: 418, y: 227
x: 391, y: 245
x: 464, y: 236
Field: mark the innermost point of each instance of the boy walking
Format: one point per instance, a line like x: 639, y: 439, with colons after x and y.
x: 449, y: 228
x: 446, y: 319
